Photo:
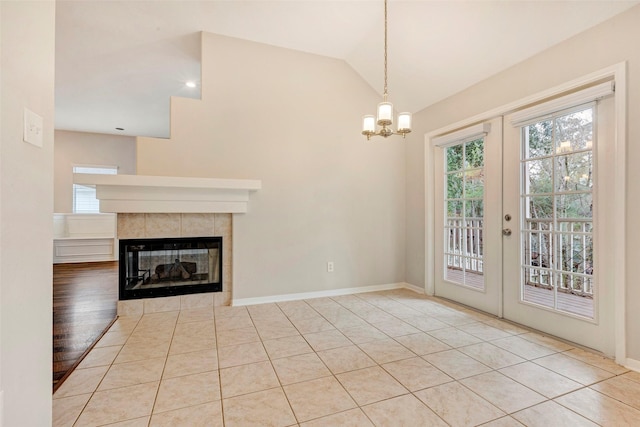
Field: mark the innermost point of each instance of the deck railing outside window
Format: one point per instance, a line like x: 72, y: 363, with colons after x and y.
x: 465, y: 244
x: 574, y: 263
x: 574, y: 254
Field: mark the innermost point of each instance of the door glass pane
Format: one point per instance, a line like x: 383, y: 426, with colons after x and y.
x: 454, y: 158
x: 538, y: 139
x: 574, y: 172
x: 539, y: 207
x: 574, y: 131
x: 454, y: 186
x: 538, y: 288
x: 474, y: 184
x: 538, y: 176
x: 474, y: 211
x: 474, y: 154
x: 574, y: 205
x: 557, y: 204
x: 454, y: 209
x: 464, y: 201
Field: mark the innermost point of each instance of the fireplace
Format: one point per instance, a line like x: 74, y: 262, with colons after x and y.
x: 170, y: 266
x: 150, y: 207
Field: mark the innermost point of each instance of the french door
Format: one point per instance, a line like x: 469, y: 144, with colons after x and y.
x: 468, y: 171
x: 557, y: 170
x: 523, y: 220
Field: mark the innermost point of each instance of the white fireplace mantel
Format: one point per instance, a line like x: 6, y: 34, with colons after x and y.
x: 166, y: 194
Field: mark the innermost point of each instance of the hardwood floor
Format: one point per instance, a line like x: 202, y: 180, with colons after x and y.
x: 85, y: 296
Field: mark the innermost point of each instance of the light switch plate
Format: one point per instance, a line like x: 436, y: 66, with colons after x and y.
x: 33, y: 125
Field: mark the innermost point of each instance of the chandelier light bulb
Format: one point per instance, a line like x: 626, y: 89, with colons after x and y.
x: 404, y: 122
x: 368, y: 124
x: 385, y: 113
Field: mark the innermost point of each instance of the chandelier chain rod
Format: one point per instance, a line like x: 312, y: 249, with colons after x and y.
x: 385, y: 51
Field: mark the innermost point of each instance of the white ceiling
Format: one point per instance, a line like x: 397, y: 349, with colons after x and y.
x: 118, y: 62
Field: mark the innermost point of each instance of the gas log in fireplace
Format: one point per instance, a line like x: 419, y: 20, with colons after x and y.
x: 172, y: 266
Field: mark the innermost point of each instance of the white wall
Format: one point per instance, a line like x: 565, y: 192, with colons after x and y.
x: 26, y: 172
x: 602, y: 46
x: 81, y: 148
x: 292, y: 120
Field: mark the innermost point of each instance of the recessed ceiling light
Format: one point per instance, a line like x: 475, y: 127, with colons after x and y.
x: 190, y: 84
x: 119, y: 128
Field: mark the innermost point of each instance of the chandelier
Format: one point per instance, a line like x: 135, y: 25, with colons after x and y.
x: 385, y: 108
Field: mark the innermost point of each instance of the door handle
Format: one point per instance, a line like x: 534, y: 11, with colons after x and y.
x: 506, y: 232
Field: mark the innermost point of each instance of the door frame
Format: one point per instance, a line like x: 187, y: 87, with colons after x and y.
x: 617, y: 72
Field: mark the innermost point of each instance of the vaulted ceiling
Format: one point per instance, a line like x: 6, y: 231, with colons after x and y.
x: 118, y: 62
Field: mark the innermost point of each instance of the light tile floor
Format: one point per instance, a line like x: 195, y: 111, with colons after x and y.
x: 393, y: 358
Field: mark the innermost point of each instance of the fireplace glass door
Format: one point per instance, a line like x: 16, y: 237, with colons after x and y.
x: 172, y: 266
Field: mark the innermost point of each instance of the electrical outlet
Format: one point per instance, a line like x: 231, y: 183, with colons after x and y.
x: 330, y: 267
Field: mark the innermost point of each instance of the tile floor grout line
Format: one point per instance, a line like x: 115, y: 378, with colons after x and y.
x: 286, y: 396
x: 570, y: 409
x: 607, y: 395
x: 333, y: 374
x: 222, y: 405
x: 219, y: 369
x: 379, y: 365
x: 546, y: 399
x: 106, y: 372
x: 164, y: 366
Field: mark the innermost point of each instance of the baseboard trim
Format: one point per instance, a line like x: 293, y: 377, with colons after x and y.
x: 321, y: 294
x: 415, y: 288
x: 632, y: 364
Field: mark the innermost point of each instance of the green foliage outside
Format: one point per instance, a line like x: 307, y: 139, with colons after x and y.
x: 465, y: 179
x: 573, y: 171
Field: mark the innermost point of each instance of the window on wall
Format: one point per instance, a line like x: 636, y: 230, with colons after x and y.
x: 84, y: 196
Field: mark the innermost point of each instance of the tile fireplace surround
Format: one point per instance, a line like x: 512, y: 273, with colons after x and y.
x: 158, y: 225
x: 165, y: 206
